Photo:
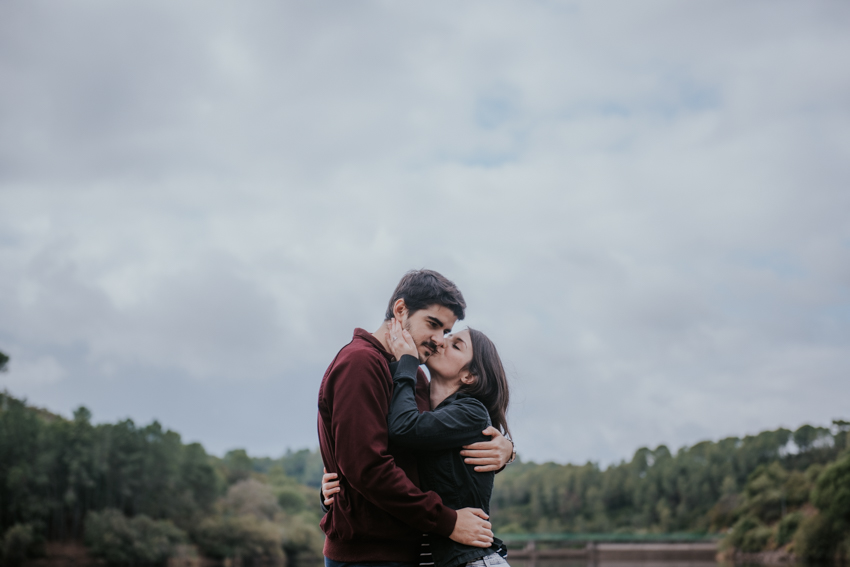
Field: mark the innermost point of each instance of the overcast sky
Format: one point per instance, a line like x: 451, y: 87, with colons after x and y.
x: 646, y: 205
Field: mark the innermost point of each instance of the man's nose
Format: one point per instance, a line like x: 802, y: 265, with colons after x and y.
x: 439, y: 339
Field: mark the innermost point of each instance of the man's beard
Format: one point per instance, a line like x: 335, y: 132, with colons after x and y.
x: 430, y: 345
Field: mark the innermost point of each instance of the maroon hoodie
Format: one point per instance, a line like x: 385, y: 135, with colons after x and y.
x: 379, y: 513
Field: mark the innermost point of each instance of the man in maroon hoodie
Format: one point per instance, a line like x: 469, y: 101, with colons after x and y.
x: 380, y: 514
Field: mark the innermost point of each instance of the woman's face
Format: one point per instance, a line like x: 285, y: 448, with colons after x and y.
x: 450, y: 361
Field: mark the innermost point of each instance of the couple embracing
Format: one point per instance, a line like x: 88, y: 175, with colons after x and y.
x: 410, y: 464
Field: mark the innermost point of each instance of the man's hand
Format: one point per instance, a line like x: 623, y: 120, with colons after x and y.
x: 472, y: 528
x: 489, y: 455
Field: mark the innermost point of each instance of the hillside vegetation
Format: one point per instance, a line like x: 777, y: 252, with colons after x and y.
x: 778, y: 490
x: 138, y: 494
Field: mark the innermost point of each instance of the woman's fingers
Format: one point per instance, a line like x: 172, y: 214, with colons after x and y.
x: 395, y: 338
x: 329, y: 486
x: 408, y: 338
x: 401, y: 333
x: 329, y: 501
x: 409, y: 343
x: 399, y: 340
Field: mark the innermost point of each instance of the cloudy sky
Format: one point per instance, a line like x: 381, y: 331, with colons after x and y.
x: 645, y: 204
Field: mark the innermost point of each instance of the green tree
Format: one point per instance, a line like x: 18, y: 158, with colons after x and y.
x: 238, y: 466
x: 821, y: 537
x: 832, y: 491
x: 19, y: 543
x: 198, y: 478
x: 842, y: 428
x: 251, y: 497
x: 239, y: 537
x: 116, y: 538
x: 23, y: 466
x: 818, y: 538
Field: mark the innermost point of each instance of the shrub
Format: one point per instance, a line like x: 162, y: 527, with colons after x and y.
x: 722, y: 514
x: 757, y: 539
x: 18, y: 543
x: 750, y: 535
x: 764, y: 492
x: 291, y: 499
x: 843, y: 552
x: 112, y: 536
x: 251, y: 497
x: 242, y: 537
x: 817, y: 538
x: 825, y: 535
x: 302, y: 534
x: 788, y: 527
x: 832, y: 490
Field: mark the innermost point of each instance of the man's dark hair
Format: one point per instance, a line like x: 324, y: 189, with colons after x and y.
x: 422, y: 288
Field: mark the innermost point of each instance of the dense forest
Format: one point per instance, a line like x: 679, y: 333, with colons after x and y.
x: 138, y: 494
x: 778, y: 490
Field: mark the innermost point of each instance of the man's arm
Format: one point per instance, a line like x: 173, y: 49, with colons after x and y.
x: 359, y: 428
x: 471, y: 528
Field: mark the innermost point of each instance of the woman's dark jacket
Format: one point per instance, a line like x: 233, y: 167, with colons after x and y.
x: 438, y: 437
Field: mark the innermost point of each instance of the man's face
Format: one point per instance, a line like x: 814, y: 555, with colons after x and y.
x: 428, y: 328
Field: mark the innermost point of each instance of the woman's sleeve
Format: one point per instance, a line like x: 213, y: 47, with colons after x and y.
x: 453, y: 425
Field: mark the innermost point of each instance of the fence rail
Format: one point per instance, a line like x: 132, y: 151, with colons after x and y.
x: 613, y: 538
x: 594, y: 547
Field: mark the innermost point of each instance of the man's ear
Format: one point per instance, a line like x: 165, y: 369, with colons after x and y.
x: 400, y: 310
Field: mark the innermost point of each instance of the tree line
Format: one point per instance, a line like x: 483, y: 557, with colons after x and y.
x: 778, y: 490
x: 138, y: 494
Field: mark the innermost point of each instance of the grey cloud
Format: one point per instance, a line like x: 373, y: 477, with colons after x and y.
x: 644, y: 205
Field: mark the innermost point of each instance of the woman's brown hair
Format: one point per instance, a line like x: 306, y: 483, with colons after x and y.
x: 491, y: 383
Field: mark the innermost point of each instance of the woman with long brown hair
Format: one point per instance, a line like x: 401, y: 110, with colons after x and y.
x: 469, y: 392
